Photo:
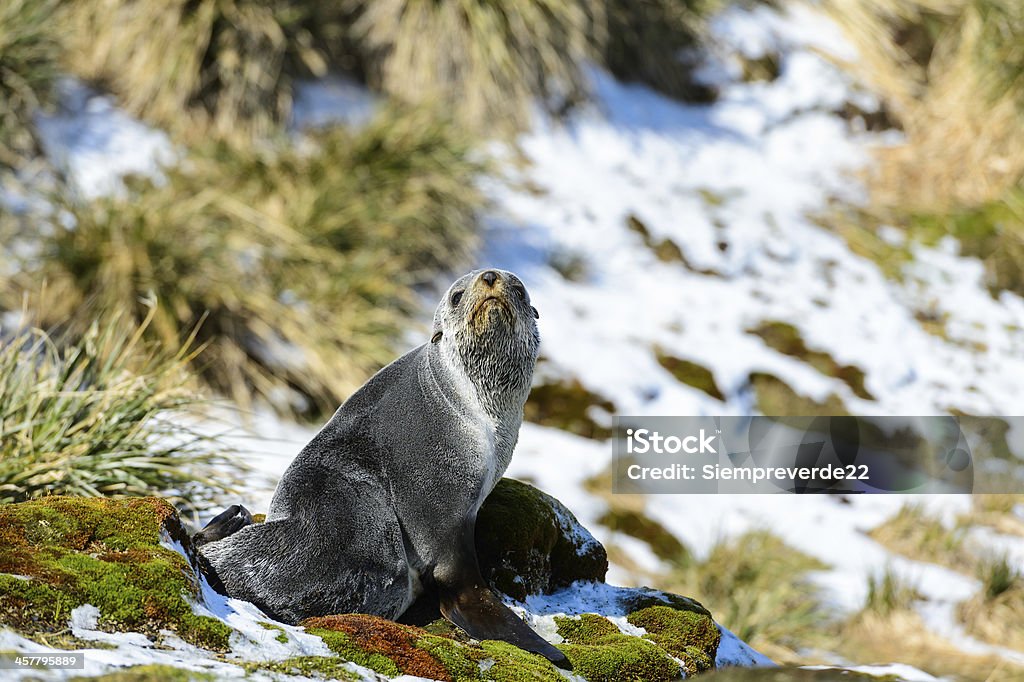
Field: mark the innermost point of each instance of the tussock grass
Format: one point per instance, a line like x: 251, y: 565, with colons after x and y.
x: 902, y: 637
x: 759, y: 588
x: 294, y: 264
x: 196, y: 67
x: 647, y: 41
x: 996, y: 613
x: 915, y: 534
x: 494, y: 60
x: 998, y: 512
x: 952, y: 74
x: 106, y: 415
x: 888, y: 593
x: 486, y: 59
x: 28, y: 65
x: 188, y: 64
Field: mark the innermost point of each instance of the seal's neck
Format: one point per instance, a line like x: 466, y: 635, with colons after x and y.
x: 492, y: 374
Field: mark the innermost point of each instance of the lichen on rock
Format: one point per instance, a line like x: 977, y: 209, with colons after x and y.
x: 529, y: 543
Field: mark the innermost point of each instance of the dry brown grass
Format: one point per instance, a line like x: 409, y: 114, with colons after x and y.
x: 487, y: 60
x: 997, y: 512
x: 297, y: 265
x: 949, y: 72
x: 194, y: 66
x: 902, y: 637
x: 914, y: 534
x: 996, y: 613
x: 28, y: 65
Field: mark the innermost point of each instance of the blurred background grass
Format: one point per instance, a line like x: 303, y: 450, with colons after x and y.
x: 295, y: 263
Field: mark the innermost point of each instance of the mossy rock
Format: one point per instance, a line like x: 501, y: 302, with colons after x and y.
x: 795, y: 675
x: 529, y: 543
x: 60, y: 553
x: 689, y: 635
x: 393, y: 649
x: 378, y: 644
x: 149, y: 673
x: 104, y: 552
x: 601, y: 653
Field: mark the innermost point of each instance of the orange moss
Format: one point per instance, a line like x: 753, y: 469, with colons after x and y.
x: 397, y: 642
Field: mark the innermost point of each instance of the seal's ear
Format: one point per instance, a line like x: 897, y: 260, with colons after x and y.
x: 436, y: 337
x: 536, y: 315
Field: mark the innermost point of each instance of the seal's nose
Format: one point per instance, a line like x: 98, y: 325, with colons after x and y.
x: 490, y: 277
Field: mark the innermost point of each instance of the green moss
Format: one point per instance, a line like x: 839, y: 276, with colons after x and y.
x: 599, y: 651
x: 785, y: 338
x: 567, y: 405
x: 687, y: 633
x: 621, y: 657
x: 689, y: 373
x: 512, y: 664
x: 774, y: 397
x: 149, y: 673
x: 588, y: 628
x: 645, y: 598
x: 461, y: 661
x: 281, y: 636
x: 101, y: 552
x: 341, y: 644
x: 689, y: 636
x: 528, y: 543
x: 327, y: 666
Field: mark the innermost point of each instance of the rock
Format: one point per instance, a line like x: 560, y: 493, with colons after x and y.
x: 529, y: 543
x: 103, y: 552
x: 59, y: 554
x: 800, y: 675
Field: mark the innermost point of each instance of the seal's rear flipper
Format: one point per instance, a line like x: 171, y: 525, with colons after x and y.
x: 231, y: 520
x: 477, y: 611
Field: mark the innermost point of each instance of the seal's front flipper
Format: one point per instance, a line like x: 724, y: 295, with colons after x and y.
x: 477, y: 611
x: 231, y: 520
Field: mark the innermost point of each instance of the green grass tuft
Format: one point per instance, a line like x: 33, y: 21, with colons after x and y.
x: 999, y: 575
x: 103, y: 416
x: 888, y: 593
x: 758, y: 586
x: 29, y: 54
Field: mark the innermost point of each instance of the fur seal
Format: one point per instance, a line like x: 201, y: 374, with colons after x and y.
x: 382, y: 503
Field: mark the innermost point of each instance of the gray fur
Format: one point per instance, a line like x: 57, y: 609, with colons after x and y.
x: 384, y: 498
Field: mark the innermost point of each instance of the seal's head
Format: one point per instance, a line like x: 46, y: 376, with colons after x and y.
x: 485, y: 323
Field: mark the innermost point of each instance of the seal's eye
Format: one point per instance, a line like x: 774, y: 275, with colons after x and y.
x: 456, y: 297
x: 521, y: 290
